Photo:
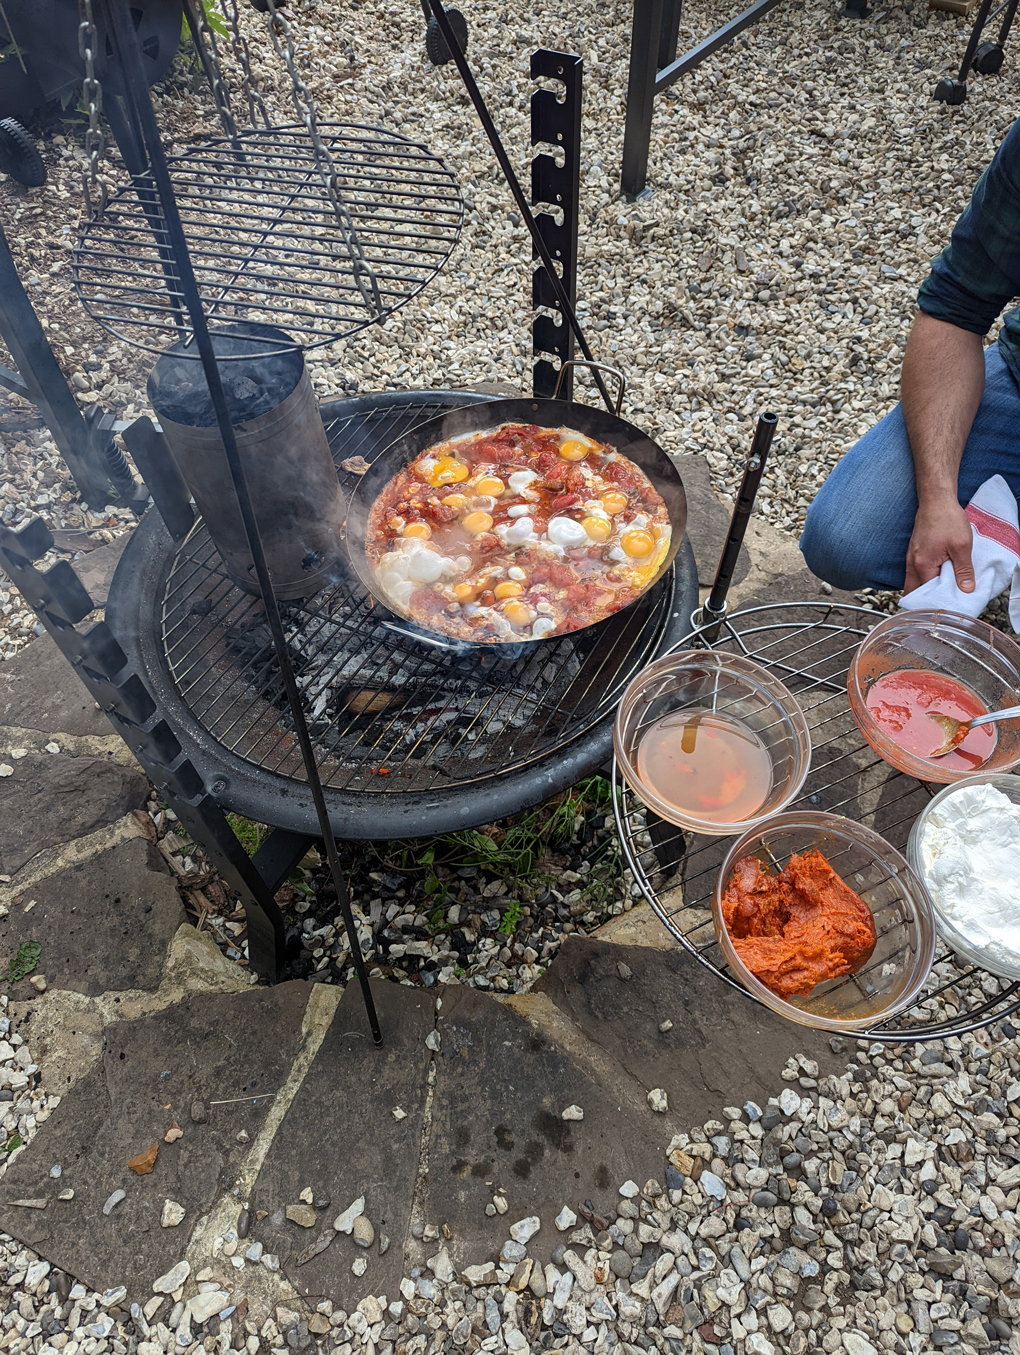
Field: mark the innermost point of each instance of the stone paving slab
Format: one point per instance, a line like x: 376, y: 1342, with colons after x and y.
x: 219, y: 1048
x: 722, y: 1048
x: 50, y: 799
x: 501, y: 1087
x: 40, y: 690
x: 105, y: 924
x: 339, y: 1138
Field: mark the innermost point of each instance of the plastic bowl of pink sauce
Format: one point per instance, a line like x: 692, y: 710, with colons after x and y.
x: 918, y: 662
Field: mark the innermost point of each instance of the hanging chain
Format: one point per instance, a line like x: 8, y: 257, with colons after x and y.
x: 92, y: 96
x: 364, y: 274
x: 209, y: 56
x: 242, y: 55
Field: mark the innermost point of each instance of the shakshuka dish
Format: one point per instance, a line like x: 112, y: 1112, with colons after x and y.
x: 518, y: 533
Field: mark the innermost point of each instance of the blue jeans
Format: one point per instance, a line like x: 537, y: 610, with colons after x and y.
x: 859, y: 526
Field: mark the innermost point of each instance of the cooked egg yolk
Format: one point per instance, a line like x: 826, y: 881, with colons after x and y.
x: 614, y: 502
x: 508, y: 589
x: 420, y: 529
x: 476, y: 523
x: 637, y: 543
x: 455, y: 501
x: 465, y: 592
x: 597, y: 528
x: 488, y: 484
x: 447, y: 471
x: 518, y: 613
x: 573, y: 450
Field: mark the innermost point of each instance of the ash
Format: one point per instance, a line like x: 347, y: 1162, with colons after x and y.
x: 370, y: 695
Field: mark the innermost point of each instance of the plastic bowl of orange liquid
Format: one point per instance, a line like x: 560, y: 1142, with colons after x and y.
x: 913, y: 648
x: 894, y: 974
x: 711, y: 741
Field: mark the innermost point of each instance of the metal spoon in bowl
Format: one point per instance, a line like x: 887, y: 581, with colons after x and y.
x: 957, y: 730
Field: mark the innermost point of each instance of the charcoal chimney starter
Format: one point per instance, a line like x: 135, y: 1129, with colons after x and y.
x: 291, y: 478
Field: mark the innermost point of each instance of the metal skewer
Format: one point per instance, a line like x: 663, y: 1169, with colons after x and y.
x: 713, y: 612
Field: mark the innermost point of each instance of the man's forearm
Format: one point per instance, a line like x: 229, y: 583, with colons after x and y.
x: 941, y: 386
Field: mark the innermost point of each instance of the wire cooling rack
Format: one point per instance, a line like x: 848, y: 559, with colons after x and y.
x: 808, y: 646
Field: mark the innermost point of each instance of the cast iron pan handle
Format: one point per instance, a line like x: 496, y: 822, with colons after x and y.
x: 593, y: 366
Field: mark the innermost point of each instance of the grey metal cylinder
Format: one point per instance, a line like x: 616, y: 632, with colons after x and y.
x: 288, y: 467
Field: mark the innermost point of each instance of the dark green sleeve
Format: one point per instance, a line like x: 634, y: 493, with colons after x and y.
x: 978, y: 273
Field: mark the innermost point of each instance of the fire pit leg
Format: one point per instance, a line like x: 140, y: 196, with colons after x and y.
x: 60, y: 601
x: 208, y: 825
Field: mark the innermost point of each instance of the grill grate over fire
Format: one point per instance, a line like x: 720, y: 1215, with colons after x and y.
x: 388, y: 711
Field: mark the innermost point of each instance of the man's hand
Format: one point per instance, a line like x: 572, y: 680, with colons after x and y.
x: 942, y: 532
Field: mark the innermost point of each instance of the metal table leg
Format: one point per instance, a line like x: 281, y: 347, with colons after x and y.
x: 645, y: 37
x: 654, y: 34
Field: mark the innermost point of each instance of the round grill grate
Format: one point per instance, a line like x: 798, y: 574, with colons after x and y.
x: 809, y: 647
x: 265, y: 242
x: 388, y: 712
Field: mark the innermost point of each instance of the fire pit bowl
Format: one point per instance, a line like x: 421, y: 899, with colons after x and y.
x: 593, y: 423
x: 891, y: 979
x: 970, y: 651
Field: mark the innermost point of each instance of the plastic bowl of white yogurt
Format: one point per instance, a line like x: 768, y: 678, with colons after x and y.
x: 965, y: 847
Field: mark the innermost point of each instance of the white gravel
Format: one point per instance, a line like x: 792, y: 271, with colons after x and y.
x: 803, y: 179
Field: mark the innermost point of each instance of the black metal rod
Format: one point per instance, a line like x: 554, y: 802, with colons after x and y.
x: 670, y: 32
x: 742, y: 510
x: 973, y: 40
x: 1007, y: 22
x: 712, y: 43
x: 527, y: 216
x: 45, y: 385
x: 134, y: 78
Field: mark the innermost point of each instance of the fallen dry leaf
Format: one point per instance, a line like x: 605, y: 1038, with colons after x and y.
x: 142, y: 1163
x: 174, y: 1133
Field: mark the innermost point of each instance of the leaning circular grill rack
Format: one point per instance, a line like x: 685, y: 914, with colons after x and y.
x: 808, y: 646
x: 264, y: 237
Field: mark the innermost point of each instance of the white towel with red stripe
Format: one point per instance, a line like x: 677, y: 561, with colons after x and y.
x: 996, y: 554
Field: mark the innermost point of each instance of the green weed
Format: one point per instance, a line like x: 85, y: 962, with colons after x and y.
x: 248, y: 833
x: 24, y: 962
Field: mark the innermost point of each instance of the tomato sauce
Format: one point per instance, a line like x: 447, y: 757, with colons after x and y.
x: 902, y: 703
x: 584, y: 584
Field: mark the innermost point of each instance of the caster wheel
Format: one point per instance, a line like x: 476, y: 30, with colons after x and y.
x: 988, y: 59
x: 950, y: 91
x: 435, y: 43
x: 19, y: 156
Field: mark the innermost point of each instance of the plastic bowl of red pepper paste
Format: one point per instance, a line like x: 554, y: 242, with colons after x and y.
x: 917, y: 663
x: 835, y: 870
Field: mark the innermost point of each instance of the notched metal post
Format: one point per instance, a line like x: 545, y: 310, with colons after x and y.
x: 557, y: 124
